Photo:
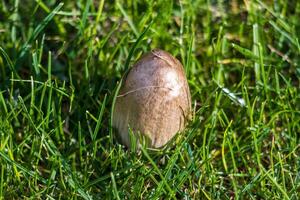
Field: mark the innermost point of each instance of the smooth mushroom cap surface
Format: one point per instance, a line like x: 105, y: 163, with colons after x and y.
x: 154, y: 99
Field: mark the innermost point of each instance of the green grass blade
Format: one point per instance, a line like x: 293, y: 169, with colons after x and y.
x: 36, y: 32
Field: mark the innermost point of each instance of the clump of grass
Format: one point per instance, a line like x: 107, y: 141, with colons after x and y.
x: 60, y: 65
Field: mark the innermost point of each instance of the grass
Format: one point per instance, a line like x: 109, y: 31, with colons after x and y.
x: 60, y: 65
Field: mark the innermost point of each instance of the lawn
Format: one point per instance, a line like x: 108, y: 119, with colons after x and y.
x: 60, y: 69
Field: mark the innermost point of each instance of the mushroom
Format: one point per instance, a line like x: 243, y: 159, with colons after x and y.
x: 154, y: 100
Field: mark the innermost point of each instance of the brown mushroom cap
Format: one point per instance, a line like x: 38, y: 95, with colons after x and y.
x: 154, y: 99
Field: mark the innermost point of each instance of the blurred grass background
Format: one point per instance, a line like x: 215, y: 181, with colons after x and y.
x: 60, y: 64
